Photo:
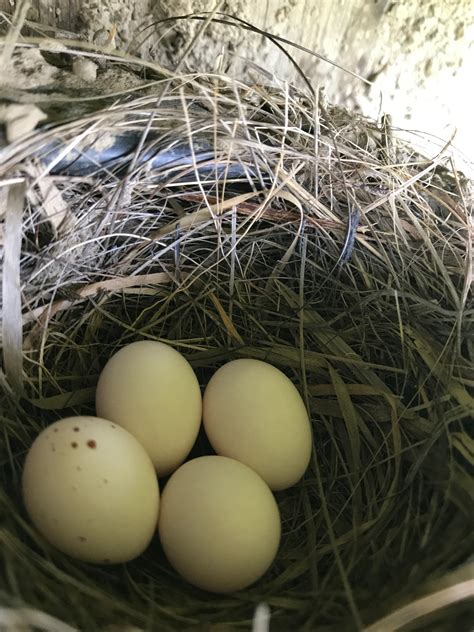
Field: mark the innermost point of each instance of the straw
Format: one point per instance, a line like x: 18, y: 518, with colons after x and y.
x: 348, y: 267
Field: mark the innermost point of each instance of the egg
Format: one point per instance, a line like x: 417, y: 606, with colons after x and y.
x: 219, y: 524
x: 91, y: 490
x: 151, y: 390
x: 253, y: 413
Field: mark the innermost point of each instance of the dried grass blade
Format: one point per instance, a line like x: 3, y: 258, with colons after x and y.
x: 424, y: 606
x: 464, y: 444
x: 23, y: 619
x: 50, y: 199
x: 192, y: 220
x: 109, y: 285
x: 228, y: 324
x: 65, y: 400
x: 351, y: 419
x: 431, y: 355
x: 12, y: 325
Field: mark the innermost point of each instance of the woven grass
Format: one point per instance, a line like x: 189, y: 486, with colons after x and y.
x: 311, y: 239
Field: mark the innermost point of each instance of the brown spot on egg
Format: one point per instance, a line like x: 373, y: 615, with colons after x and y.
x: 79, y: 468
x: 81, y: 538
x: 73, y: 444
x: 105, y: 480
x: 106, y: 560
x: 76, y: 429
x: 92, y: 444
x: 55, y: 429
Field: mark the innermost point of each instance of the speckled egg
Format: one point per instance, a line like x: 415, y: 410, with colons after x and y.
x: 91, y: 490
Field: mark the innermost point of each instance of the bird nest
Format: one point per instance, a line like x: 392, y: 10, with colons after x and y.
x: 230, y: 221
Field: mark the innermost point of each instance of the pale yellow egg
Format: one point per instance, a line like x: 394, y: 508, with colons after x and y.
x: 91, y: 490
x: 151, y: 390
x: 219, y: 524
x: 253, y: 413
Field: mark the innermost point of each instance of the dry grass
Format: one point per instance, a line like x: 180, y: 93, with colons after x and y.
x: 294, y: 232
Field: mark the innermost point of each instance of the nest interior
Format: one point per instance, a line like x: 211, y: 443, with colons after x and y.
x: 260, y: 223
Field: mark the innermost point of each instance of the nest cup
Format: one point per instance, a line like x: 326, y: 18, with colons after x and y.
x: 239, y: 221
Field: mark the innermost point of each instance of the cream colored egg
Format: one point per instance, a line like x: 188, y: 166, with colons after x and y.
x: 219, y: 524
x: 253, y: 413
x: 91, y: 490
x: 151, y: 390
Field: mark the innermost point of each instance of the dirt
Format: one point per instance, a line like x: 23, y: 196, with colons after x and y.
x: 423, y: 69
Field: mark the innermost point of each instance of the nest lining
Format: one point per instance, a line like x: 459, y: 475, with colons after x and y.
x: 293, y: 232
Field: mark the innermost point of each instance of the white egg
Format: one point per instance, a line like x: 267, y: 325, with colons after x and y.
x: 253, y: 413
x: 151, y: 390
x: 91, y: 490
x: 219, y: 524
